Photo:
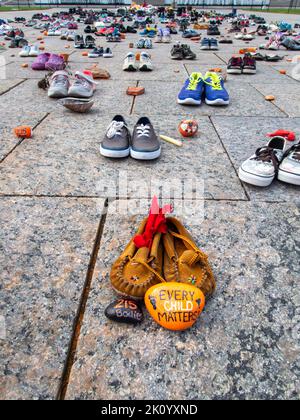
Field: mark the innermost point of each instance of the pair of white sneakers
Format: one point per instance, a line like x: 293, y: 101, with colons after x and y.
x: 275, y: 160
x: 28, y: 51
x: 132, y: 64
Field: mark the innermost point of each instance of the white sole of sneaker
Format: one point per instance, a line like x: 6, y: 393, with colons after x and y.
x: 249, y: 71
x: 189, y: 101
x: 107, y: 55
x: 114, y: 153
x: 258, y: 181
x: 288, y: 177
x: 217, y: 102
x: 234, y: 71
x: 145, y: 155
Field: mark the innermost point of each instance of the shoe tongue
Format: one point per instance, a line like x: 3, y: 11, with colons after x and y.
x: 186, y: 256
x: 142, y: 254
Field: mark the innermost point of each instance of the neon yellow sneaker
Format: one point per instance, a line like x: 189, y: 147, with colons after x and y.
x: 215, y: 92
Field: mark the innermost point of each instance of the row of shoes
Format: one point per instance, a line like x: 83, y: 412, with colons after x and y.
x: 182, y: 52
x: 132, y: 63
x: 83, y: 85
x: 277, y: 159
x: 242, y: 65
x: 142, y: 144
x: 210, y: 87
x: 144, y: 43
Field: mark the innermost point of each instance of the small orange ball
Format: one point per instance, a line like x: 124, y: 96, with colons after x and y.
x: 188, y: 128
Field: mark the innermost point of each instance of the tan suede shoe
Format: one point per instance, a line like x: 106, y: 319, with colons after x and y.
x: 183, y: 261
x: 138, y: 269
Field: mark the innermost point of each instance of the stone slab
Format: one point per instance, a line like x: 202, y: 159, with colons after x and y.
x: 245, y: 101
x: 46, y: 244
x: 246, y: 343
x: 70, y: 164
x: 242, y: 137
x: 287, y: 99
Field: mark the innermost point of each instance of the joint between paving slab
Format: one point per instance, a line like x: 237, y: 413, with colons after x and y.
x: 134, y: 99
x: 81, y: 309
x: 13, y: 87
x: 22, y: 139
x: 230, y: 160
x: 220, y: 58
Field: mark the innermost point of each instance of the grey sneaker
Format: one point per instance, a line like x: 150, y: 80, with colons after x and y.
x: 83, y: 86
x: 145, y: 144
x: 116, y: 142
x: 59, y: 85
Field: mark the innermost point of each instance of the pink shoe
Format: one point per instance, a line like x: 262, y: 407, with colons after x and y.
x: 40, y: 62
x: 55, y: 63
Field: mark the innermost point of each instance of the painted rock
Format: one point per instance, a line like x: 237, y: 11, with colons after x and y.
x: 175, y: 306
x: 188, y: 128
x: 124, y: 310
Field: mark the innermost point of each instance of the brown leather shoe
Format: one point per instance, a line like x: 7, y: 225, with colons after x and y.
x: 138, y: 269
x: 183, y: 260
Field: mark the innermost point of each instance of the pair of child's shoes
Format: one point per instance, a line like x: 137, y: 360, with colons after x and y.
x: 211, y: 86
x: 278, y: 159
x: 162, y: 251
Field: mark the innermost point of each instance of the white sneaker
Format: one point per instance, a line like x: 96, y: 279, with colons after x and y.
x: 71, y: 36
x: 130, y: 63
x: 59, y: 85
x: 25, y: 51
x: 83, y: 86
x: 289, y: 169
x: 145, y: 62
x: 261, y: 168
x: 34, y: 51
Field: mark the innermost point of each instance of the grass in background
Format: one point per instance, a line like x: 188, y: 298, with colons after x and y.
x: 21, y: 9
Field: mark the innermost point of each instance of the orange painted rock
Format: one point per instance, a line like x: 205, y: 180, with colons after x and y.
x: 282, y: 71
x: 175, y: 306
x: 41, y: 47
x: 270, y: 98
x: 25, y: 65
x: 85, y: 54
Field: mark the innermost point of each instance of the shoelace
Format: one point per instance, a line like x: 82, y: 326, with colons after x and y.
x: 193, y: 83
x: 267, y: 155
x: 215, y: 81
x: 249, y: 61
x: 115, y: 129
x: 60, y: 80
x: 294, y: 152
x: 82, y: 82
x: 235, y: 61
x: 143, y: 130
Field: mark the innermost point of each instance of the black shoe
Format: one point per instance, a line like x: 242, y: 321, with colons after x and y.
x: 188, y: 53
x: 177, y: 52
x: 90, y: 42
x: 79, y: 42
x: 213, y: 30
x: 88, y: 29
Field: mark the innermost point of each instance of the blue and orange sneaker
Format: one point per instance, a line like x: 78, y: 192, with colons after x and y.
x: 215, y: 92
x: 191, y: 93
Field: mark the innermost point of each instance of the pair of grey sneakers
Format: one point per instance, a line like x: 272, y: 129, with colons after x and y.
x: 118, y: 142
